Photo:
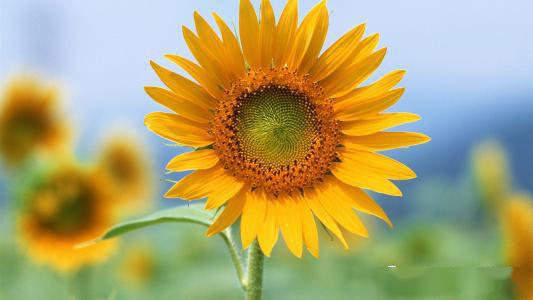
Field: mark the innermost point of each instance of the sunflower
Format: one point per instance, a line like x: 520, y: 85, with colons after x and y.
x: 124, y: 164
x: 139, y: 265
x: 518, y: 225
x: 65, y: 207
x: 282, y: 131
x: 491, y: 172
x: 29, y: 120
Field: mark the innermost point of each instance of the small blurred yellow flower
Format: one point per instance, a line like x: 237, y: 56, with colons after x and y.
x: 29, y: 120
x: 138, y: 266
x: 67, y: 206
x: 124, y: 163
x: 491, y: 172
x: 518, y: 225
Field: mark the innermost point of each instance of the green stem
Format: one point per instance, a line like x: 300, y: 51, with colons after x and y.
x: 227, y: 236
x: 254, y: 284
x: 81, y: 288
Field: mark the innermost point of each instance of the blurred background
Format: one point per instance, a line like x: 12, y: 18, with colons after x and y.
x: 469, y: 75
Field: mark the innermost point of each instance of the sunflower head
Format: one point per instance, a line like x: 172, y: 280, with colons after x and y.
x: 518, y: 225
x: 139, y: 265
x: 29, y: 120
x: 124, y: 164
x: 66, y: 206
x: 283, y: 132
x: 491, y: 172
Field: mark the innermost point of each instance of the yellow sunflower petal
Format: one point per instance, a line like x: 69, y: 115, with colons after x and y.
x: 337, y: 54
x: 179, y: 105
x: 285, y: 32
x: 376, y: 123
x: 231, y: 212
x: 171, y: 119
x: 363, y: 202
x: 311, y: 198
x: 339, y: 207
x: 268, y: 233
x: 205, y: 58
x: 383, y: 85
x: 370, y: 106
x: 364, y: 48
x: 385, y: 140
x: 316, y: 42
x: 345, y: 81
x: 249, y: 32
x: 267, y: 31
x: 376, y: 163
x: 194, y: 160
x: 345, y: 173
x: 233, y: 49
x: 290, y: 223
x: 253, y: 216
x: 312, y: 25
x: 361, y: 51
x: 178, y: 129
x: 212, y: 43
x: 207, y: 35
x: 210, y: 83
x: 310, y: 233
x: 184, y: 87
x: 198, y: 184
x: 227, y: 187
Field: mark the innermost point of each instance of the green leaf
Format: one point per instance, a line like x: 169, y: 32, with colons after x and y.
x: 184, y: 214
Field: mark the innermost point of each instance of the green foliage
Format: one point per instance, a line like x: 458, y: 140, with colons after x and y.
x: 184, y: 214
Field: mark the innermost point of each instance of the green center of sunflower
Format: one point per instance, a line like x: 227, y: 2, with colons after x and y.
x: 275, y: 130
x: 275, y: 126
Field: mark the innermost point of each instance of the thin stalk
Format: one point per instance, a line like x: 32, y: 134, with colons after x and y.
x: 235, y: 256
x: 81, y: 284
x: 254, y: 283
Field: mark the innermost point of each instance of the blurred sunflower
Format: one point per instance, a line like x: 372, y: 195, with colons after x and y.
x: 518, y: 225
x: 125, y: 165
x: 491, y: 172
x: 29, y: 120
x: 138, y: 266
x: 283, y: 132
x: 67, y: 206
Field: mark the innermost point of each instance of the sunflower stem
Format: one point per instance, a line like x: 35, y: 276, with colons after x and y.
x: 254, y: 282
x: 81, y: 284
x: 235, y: 256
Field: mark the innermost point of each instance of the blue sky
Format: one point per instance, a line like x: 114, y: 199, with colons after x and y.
x: 469, y: 63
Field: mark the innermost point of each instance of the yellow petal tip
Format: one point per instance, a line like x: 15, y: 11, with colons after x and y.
x: 345, y: 245
x: 266, y: 252
x: 314, y: 252
x: 210, y: 232
x: 416, y: 117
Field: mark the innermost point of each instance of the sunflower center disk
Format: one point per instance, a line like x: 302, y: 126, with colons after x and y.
x: 276, y: 131
x: 276, y: 126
